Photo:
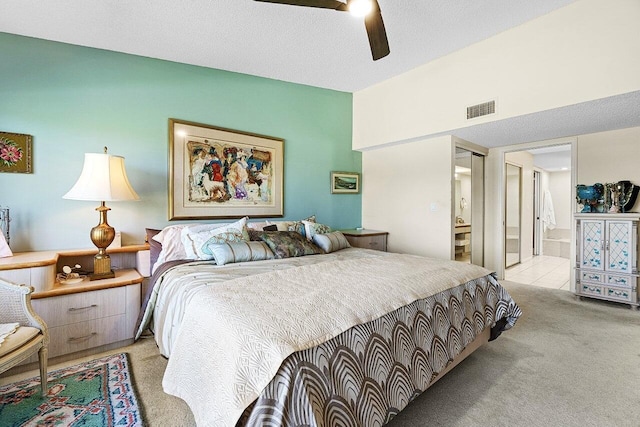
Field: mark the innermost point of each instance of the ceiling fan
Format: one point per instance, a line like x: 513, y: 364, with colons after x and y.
x: 372, y: 21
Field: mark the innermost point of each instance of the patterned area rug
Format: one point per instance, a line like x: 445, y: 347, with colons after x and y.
x: 95, y: 393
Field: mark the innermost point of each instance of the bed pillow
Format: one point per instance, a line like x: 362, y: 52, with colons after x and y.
x: 313, y: 228
x: 259, y: 226
x: 196, y: 239
x: 155, y: 247
x: 225, y: 253
x: 331, y: 242
x: 286, y: 244
x: 172, y: 248
x: 297, y: 226
x: 171, y: 240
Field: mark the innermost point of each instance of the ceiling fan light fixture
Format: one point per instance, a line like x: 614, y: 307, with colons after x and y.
x: 360, y: 8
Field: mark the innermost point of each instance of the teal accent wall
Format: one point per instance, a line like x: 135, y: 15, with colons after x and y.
x: 74, y: 100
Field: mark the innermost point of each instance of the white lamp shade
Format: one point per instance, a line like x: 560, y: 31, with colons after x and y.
x: 103, y: 178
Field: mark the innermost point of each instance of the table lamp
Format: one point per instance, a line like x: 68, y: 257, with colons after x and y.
x: 103, y: 179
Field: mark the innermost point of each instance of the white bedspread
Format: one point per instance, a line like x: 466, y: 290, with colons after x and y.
x: 235, y: 334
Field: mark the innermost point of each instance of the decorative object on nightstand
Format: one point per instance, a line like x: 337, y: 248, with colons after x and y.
x: 367, y: 239
x: 103, y: 179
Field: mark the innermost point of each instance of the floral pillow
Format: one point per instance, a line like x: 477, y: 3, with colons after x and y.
x: 286, y: 244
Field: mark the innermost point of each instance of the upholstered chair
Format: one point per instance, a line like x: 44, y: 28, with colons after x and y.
x: 30, y: 337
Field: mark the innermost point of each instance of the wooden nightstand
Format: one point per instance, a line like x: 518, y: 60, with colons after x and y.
x: 368, y: 239
x: 88, y: 316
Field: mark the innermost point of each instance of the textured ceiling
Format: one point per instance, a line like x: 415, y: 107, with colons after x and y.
x: 317, y: 47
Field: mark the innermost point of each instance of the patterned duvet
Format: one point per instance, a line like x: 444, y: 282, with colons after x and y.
x: 348, y: 338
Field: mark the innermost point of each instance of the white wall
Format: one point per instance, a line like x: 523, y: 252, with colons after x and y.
x: 585, y: 51
x: 563, y: 203
x: 609, y: 157
x: 407, y: 190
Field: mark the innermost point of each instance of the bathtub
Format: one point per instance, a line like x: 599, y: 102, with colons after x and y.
x: 557, y: 242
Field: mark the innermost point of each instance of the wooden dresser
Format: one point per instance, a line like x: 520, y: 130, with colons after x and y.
x: 87, y: 316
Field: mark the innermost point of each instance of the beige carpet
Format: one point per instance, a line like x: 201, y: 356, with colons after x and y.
x: 565, y: 363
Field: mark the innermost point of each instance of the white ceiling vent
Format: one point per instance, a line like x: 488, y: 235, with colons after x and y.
x: 481, y: 109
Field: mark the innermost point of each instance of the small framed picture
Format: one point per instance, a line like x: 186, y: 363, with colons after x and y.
x: 345, y: 182
x: 15, y: 152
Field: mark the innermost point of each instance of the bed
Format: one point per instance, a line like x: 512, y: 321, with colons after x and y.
x: 343, y: 336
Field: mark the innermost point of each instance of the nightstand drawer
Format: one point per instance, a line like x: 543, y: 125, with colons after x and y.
x: 83, y: 335
x: 379, y: 243
x: 74, y: 308
x: 367, y: 239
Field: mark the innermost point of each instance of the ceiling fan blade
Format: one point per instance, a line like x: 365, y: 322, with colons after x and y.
x: 324, y: 4
x: 376, y: 32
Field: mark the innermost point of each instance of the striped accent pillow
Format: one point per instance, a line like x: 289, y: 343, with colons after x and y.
x: 331, y: 242
x: 229, y: 252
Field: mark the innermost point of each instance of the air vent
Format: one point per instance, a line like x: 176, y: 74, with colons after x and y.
x: 481, y: 110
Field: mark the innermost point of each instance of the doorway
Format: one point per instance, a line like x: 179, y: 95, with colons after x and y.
x: 513, y: 213
x: 546, y: 206
x: 468, y: 232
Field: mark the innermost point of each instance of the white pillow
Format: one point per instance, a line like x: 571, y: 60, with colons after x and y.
x: 331, y: 242
x: 196, y: 239
x: 225, y: 253
x: 171, y: 240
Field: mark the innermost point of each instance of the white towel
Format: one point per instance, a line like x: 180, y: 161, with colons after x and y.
x: 7, y: 329
x: 548, y: 214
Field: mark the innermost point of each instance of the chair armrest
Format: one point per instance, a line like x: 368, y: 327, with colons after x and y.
x: 16, y: 306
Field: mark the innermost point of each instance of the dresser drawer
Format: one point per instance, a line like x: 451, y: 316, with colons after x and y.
x: 620, y: 280
x: 74, y: 308
x: 592, y: 277
x: 591, y: 289
x: 91, y: 333
x: 620, y: 294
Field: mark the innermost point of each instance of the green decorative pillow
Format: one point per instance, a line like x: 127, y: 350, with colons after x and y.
x: 286, y: 244
x: 225, y: 253
x: 331, y: 242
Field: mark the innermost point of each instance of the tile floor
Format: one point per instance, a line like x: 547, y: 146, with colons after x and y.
x: 545, y: 271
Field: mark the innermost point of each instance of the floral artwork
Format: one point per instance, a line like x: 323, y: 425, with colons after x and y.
x: 15, y: 152
x: 222, y: 173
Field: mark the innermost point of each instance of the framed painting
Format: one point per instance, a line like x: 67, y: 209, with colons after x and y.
x: 345, y: 182
x: 15, y: 152
x: 223, y: 173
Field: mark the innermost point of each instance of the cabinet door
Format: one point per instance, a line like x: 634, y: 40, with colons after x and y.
x: 619, y: 245
x: 592, y: 244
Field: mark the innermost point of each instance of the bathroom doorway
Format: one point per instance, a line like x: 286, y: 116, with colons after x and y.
x: 545, y: 219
